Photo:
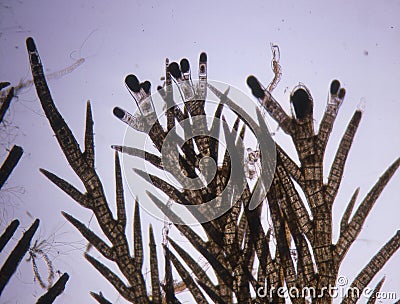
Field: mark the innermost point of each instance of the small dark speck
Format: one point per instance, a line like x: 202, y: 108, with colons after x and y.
x: 283, y: 20
x: 365, y: 52
x: 392, y: 27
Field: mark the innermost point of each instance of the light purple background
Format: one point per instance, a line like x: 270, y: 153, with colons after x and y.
x: 357, y: 42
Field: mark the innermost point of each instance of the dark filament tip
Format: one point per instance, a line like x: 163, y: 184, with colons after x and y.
x: 30, y: 44
x: 342, y: 93
x: 255, y: 87
x: 302, y: 103
x: 146, y: 86
x: 132, y: 82
x: 203, y: 57
x: 118, y: 112
x: 335, y: 85
x: 185, y: 66
x: 174, y: 70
